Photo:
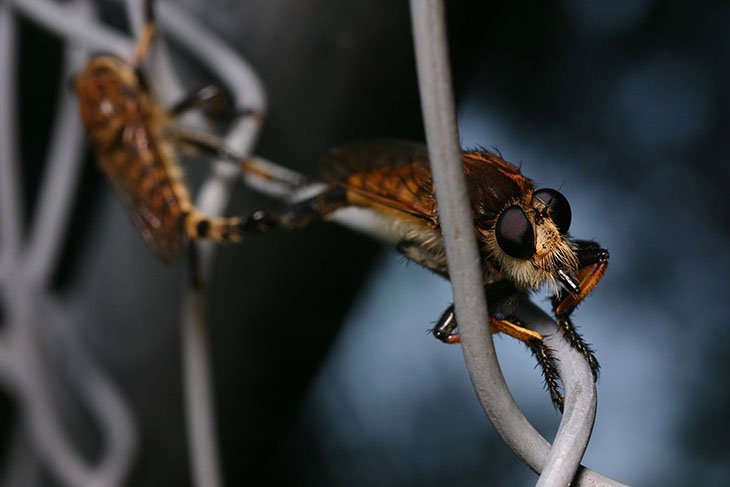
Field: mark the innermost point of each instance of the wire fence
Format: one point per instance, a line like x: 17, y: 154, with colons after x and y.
x: 35, y: 315
x: 26, y: 358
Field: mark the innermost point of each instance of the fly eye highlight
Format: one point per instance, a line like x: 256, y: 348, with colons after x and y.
x: 558, y: 208
x: 515, y: 234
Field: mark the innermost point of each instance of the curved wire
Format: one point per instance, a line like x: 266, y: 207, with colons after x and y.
x: 21, y: 364
x: 33, y: 310
x: 68, y: 22
x: 559, y: 463
x: 11, y: 207
x: 248, y: 93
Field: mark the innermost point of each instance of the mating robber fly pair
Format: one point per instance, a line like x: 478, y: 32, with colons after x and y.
x: 522, y: 232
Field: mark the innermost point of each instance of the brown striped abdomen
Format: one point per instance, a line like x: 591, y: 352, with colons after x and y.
x: 128, y: 131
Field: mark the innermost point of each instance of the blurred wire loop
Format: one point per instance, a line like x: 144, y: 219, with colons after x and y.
x: 28, y: 354
x: 39, y: 335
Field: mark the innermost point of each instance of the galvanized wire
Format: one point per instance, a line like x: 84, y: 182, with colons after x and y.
x: 248, y: 94
x: 35, y: 314
x: 559, y: 464
x: 63, y: 19
x: 24, y: 287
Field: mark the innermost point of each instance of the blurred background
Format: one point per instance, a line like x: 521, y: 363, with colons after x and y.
x: 324, y: 372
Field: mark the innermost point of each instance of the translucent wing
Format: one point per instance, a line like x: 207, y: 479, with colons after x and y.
x: 396, y: 175
x: 494, y: 184
x: 142, y: 181
x: 387, y: 172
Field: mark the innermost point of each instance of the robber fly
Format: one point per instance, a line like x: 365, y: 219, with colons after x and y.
x: 135, y: 138
x: 522, y: 233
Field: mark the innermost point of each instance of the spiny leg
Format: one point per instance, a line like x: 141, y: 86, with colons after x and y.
x: 296, y: 215
x: 145, y: 37
x: 204, y: 97
x: 514, y: 328
x: 315, y: 208
x: 444, y: 331
x: 212, y: 146
x: 567, y: 328
x: 209, y: 96
x: 592, y: 261
x: 499, y: 295
x: 549, y: 372
x: 260, y: 221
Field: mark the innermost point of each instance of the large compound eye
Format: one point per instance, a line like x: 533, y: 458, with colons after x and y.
x: 558, y: 207
x: 514, y: 233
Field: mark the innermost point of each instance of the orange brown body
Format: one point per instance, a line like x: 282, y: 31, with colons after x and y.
x: 394, y: 178
x: 522, y: 232
x: 134, y: 141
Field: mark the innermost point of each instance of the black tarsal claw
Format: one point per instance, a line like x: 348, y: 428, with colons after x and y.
x: 568, y: 282
x: 445, y: 325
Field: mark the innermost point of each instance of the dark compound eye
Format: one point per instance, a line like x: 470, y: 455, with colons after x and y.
x: 514, y: 233
x: 558, y: 207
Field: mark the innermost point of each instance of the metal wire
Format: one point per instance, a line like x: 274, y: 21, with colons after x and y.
x: 196, y: 373
x: 558, y: 465
x: 64, y: 20
x: 33, y: 311
x: 247, y: 93
x: 24, y: 286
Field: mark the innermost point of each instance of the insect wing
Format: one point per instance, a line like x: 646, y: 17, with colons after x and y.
x: 396, y: 174
x: 169, y: 243
x: 494, y: 184
x: 142, y: 184
x: 386, y: 172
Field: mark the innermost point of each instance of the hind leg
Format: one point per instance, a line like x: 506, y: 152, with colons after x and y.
x: 298, y: 214
x: 445, y: 331
x: 263, y: 221
x: 144, y: 41
x: 213, y: 98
